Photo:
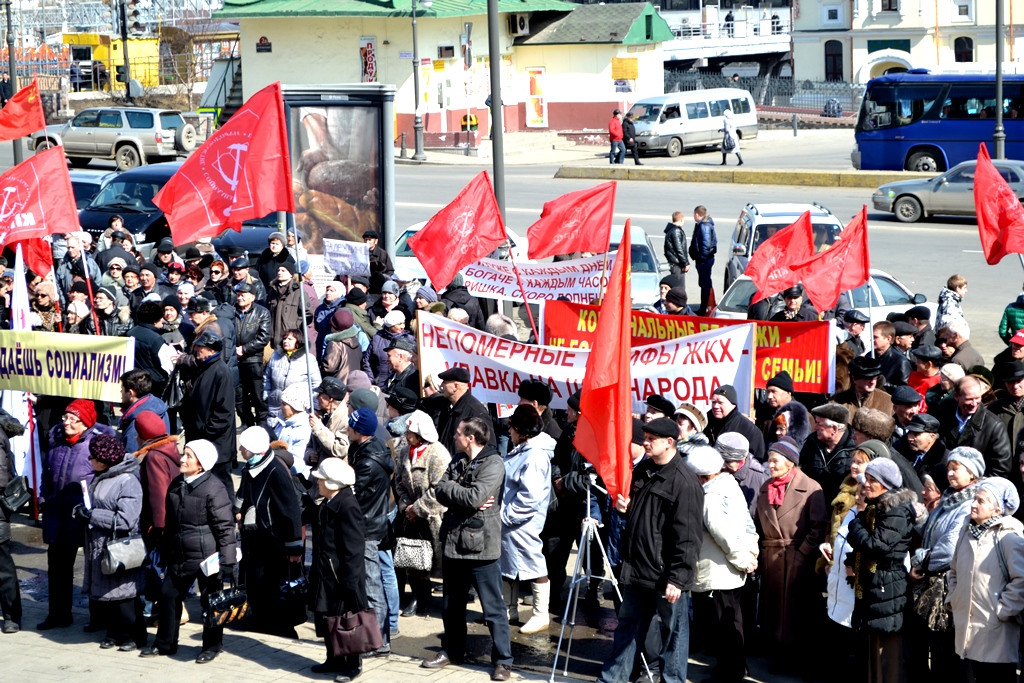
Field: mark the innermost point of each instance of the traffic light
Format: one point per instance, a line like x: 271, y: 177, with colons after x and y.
x: 122, y: 73
x: 132, y: 15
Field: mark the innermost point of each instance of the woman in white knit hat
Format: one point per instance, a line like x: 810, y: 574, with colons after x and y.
x: 292, y: 426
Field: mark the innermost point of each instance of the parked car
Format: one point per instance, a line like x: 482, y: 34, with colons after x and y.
x: 678, y: 121
x: 951, y: 193
x: 406, y: 260
x: 646, y: 267
x: 888, y: 295
x: 87, y: 184
x: 132, y: 136
x: 758, y: 222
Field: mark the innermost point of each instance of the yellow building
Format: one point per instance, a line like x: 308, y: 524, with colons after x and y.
x: 143, y: 58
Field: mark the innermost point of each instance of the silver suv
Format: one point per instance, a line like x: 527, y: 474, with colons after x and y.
x: 132, y: 136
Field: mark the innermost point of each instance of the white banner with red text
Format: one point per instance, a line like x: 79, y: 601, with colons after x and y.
x: 579, y: 279
x: 685, y: 369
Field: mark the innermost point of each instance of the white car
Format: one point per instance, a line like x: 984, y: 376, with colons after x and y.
x: 406, y: 261
x: 888, y: 295
x: 646, y: 268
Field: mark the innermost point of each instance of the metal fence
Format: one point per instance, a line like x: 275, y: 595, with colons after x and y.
x: 781, y: 94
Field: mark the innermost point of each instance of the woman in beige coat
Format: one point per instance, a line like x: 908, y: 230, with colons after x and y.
x: 421, y: 464
x: 986, y: 584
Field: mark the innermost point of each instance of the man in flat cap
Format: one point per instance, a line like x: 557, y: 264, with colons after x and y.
x: 854, y: 321
x: 923, y: 448
x: 240, y: 273
x: 894, y: 364
x: 797, y: 309
x: 659, y: 548
x: 329, y: 422
x: 826, y: 454
x: 658, y: 406
x: 906, y: 403
x: 904, y: 339
x: 381, y: 268
x: 462, y: 406
x: 927, y: 360
x: 403, y: 371
x: 864, y: 392
x: 726, y: 417
x: 537, y: 393
x: 920, y: 317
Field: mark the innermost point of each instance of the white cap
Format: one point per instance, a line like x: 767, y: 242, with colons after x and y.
x: 420, y: 424
x: 205, y: 452
x: 255, y: 440
x: 335, y: 473
x: 297, y: 396
x: 704, y: 461
x: 393, y: 318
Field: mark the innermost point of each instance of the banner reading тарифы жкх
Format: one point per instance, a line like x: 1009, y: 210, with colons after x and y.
x: 71, y: 365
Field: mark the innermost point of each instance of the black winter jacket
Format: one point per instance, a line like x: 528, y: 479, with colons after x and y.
x: 880, y: 537
x: 664, y: 526
x: 983, y: 432
x: 200, y: 521
x: 209, y: 412
x: 459, y: 297
x: 337, y: 575
x: 268, y: 263
x: 467, y: 533
x: 271, y: 517
x: 675, y: 246
x: 827, y: 467
x: 252, y: 333
x: 895, y: 366
x: 736, y: 422
x: 114, y: 324
x: 8, y: 427
x: 451, y: 415
x: 373, y: 466
x: 148, y: 344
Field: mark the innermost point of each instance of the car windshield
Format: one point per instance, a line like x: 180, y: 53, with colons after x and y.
x: 402, y: 246
x: 84, y: 193
x: 824, y: 234
x: 641, y: 258
x: 645, y: 112
x: 737, y: 299
x: 127, y: 195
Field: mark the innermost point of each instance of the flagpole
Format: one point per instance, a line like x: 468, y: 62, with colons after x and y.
x: 522, y: 290
x: 56, y: 292
x: 88, y: 285
x: 32, y: 458
x: 283, y: 216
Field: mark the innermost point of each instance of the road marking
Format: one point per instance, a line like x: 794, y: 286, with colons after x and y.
x: 425, y: 205
x: 973, y: 251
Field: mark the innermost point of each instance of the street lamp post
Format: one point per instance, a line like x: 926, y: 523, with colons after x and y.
x: 999, y: 136
x: 417, y: 123
x: 17, y: 142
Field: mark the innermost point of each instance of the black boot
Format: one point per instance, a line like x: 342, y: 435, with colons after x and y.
x: 724, y: 157
x: 411, y: 608
x: 740, y: 158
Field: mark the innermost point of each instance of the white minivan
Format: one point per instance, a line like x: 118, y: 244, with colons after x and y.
x: 691, y: 119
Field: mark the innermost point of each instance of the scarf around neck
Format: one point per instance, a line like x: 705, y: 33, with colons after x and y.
x: 977, y: 530
x: 777, y: 488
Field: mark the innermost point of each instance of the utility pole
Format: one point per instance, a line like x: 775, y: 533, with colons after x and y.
x: 497, y: 126
x: 999, y: 136
x: 123, y: 11
x: 11, y: 64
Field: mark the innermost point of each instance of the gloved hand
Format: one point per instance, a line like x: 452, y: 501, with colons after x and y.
x: 81, y: 513
x: 227, y: 576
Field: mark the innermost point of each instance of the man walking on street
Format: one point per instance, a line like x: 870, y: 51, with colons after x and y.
x: 617, y: 155
x: 703, y: 246
x: 629, y: 137
x: 675, y: 246
x: 660, y: 547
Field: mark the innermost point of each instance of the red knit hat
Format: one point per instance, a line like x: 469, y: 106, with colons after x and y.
x: 84, y: 410
x: 149, y: 425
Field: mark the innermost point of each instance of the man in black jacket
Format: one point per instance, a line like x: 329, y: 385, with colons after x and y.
x: 403, y: 370
x: 209, y: 411
x: 457, y: 296
x: 725, y: 417
x: 896, y: 367
x: 381, y: 268
x: 455, y: 387
x: 471, y: 546
x: 1009, y: 409
x: 923, y: 449
x: 272, y: 258
x: 826, y: 454
x: 152, y: 353
x: 536, y: 393
x: 252, y: 334
x: 660, y: 547
x: 373, y: 466
x: 675, y: 245
x: 966, y: 422
x: 629, y: 137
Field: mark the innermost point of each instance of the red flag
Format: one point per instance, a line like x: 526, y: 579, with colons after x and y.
x: 23, y: 114
x: 241, y: 172
x: 461, y: 233
x: 1000, y: 214
x: 37, y: 255
x: 769, y: 267
x: 605, y: 427
x: 577, y: 221
x: 845, y: 266
x: 36, y: 198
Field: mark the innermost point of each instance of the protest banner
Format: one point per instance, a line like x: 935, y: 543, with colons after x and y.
x: 684, y: 369
x: 806, y: 350
x: 578, y: 279
x: 56, y: 364
x: 342, y: 257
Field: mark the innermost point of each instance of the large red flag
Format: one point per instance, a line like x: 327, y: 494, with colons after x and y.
x: 461, y: 233
x: 769, y: 267
x: 605, y: 427
x: 36, y: 198
x: 1000, y: 214
x: 37, y: 255
x: 23, y: 114
x: 241, y: 172
x: 577, y: 221
x: 845, y: 266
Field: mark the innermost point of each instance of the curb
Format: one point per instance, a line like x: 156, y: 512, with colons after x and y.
x: 863, y: 179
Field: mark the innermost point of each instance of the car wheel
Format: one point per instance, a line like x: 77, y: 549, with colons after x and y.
x: 127, y: 157
x: 77, y: 162
x: 908, y: 209
x: 185, y: 138
x: 674, y: 148
x: 727, y: 282
x: 925, y: 162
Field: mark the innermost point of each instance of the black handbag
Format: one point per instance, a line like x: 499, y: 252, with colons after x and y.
x: 929, y: 598
x: 226, y: 606
x: 292, y: 596
x: 353, y: 633
x: 15, y: 495
x: 174, y: 392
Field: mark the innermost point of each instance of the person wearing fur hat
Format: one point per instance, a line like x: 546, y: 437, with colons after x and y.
x: 199, y: 522
x: 115, y: 506
x: 290, y: 365
x: 65, y: 466
x: 870, y: 424
x: 864, y: 391
x: 536, y: 393
x: 692, y: 422
x: 44, y: 305
x: 271, y: 531
x: 728, y: 553
x: 793, y: 518
x: 337, y: 575
x: 78, y: 319
x: 986, y: 584
x: 392, y: 329
x: 343, y: 353
x: 880, y: 538
x: 293, y: 426
x: 284, y: 301
x: 420, y: 465
x: 726, y: 417
x: 792, y: 420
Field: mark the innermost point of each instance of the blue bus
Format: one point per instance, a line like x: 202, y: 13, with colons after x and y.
x: 917, y: 121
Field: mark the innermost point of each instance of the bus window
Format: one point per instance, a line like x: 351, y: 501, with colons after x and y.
x: 719, y: 107
x: 915, y: 101
x: 696, y: 110
x: 741, y: 105
x: 970, y: 101
x: 672, y: 112
x: 879, y: 107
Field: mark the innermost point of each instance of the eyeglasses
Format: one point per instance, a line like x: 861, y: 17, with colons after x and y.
x: 42, y: 295
x: 115, y: 267
x: 216, y: 272
x: 68, y: 417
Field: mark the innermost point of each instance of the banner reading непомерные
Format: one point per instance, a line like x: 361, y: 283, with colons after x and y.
x: 806, y: 350
x: 55, y: 364
x: 685, y: 369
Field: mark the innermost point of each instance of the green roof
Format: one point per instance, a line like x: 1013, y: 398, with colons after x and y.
x: 235, y: 9
x: 623, y: 23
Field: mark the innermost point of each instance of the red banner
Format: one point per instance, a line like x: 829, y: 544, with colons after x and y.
x: 805, y: 350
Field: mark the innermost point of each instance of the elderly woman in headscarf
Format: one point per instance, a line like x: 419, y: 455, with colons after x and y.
x: 730, y: 138
x: 113, y: 511
x: 421, y: 464
x: 928, y: 634
x: 792, y: 518
x: 199, y: 523
x: 986, y: 584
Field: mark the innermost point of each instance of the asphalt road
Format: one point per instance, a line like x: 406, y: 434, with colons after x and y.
x: 922, y: 255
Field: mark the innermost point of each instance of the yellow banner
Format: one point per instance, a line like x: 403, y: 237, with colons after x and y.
x: 55, y: 364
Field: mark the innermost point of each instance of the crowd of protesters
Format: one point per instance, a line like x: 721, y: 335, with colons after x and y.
x: 870, y: 535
